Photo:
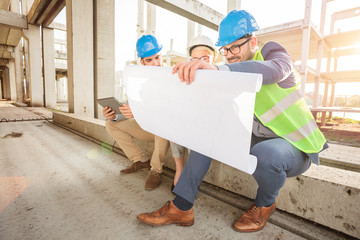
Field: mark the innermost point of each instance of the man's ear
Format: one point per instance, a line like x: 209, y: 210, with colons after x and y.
x: 253, y: 42
x: 142, y: 62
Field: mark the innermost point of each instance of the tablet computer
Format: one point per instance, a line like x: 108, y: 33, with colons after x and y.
x: 110, y: 102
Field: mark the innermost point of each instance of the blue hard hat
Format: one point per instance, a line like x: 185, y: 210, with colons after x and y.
x: 147, y: 46
x: 234, y: 26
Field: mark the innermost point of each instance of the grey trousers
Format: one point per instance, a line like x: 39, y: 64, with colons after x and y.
x: 277, y: 160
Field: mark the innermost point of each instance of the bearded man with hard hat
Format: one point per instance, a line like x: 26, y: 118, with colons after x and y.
x: 124, y: 128
x: 200, y: 48
x: 285, y: 137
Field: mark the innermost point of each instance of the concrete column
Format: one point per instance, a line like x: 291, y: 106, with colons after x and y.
x: 6, y: 83
x: 12, y: 80
x: 233, y: 5
x: 151, y: 19
x: 61, y: 86
x: 104, y: 51
x: 305, y: 48
x: 28, y: 4
x: 15, y: 7
x: 140, y: 25
x: 80, y: 53
x: 2, y: 82
x: 1, y: 96
x: 190, y: 35
x: 324, y: 104
x: 318, y: 64
x: 49, y: 67
x: 332, y: 98
x: 18, y: 75
x: 35, y: 91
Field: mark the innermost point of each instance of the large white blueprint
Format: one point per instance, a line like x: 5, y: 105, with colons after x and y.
x: 213, y: 115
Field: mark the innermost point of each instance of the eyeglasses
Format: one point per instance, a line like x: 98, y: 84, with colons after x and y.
x: 205, y: 58
x: 233, y: 49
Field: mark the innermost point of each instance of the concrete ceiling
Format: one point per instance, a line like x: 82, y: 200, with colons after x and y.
x: 9, y: 38
x: 4, y: 4
x: 43, y: 12
x: 11, y: 25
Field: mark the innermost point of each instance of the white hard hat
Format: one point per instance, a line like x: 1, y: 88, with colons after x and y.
x: 201, y: 40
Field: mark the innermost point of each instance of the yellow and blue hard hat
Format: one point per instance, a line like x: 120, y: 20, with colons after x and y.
x: 147, y: 46
x: 234, y: 26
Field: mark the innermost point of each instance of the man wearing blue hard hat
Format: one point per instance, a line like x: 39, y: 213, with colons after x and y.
x: 124, y: 129
x: 285, y: 137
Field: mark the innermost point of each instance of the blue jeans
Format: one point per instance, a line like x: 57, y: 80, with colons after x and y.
x: 277, y: 160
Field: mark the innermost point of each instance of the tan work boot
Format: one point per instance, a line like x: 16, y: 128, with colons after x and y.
x: 168, y: 214
x: 254, y: 219
x: 136, y: 166
x: 153, y: 180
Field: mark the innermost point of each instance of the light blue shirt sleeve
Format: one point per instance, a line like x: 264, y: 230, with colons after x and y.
x: 223, y: 67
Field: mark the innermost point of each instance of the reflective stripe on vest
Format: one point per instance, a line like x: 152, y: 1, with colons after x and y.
x: 279, y: 107
x: 302, y: 132
x: 285, y: 112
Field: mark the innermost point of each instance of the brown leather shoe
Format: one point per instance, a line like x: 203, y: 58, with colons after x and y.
x: 254, y: 219
x: 153, y: 180
x: 168, y: 214
x: 136, y: 166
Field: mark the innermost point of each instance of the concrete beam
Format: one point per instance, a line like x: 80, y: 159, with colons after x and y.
x: 36, y: 8
x: 193, y: 10
x: 43, y: 12
x: 348, y: 13
x: 51, y: 11
x: 13, y: 20
x: 57, y: 26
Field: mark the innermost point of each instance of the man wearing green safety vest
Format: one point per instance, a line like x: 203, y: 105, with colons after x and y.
x: 285, y: 137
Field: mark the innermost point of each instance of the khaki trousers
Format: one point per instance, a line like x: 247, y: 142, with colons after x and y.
x: 125, y: 131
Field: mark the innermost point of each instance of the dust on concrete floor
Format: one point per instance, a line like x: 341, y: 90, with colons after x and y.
x: 57, y: 185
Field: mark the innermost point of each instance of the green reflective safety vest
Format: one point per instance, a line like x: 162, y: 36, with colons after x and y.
x: 286, y: 113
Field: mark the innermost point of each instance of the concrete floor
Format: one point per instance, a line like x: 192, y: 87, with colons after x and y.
x: 57, y: 185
